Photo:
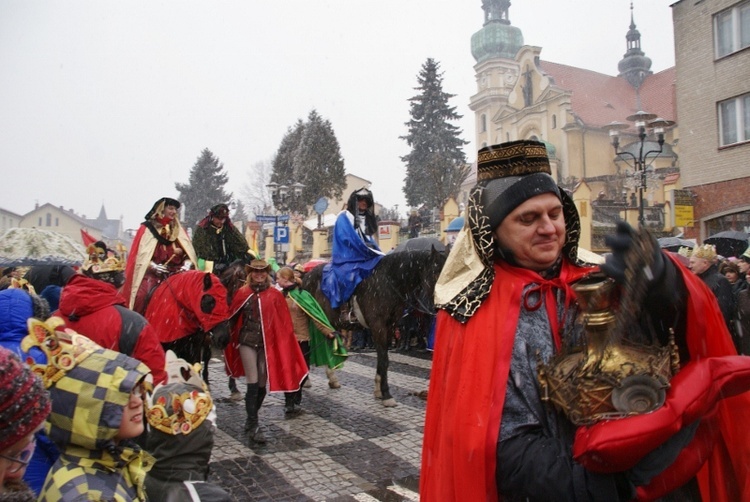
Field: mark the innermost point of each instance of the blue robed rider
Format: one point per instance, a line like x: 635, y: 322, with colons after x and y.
x: 355, y: 252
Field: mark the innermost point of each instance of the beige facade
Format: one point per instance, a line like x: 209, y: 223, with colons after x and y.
x: 713, y: 83
x: 9, y: 220
x: 60, y: 220
x: 569, y: 109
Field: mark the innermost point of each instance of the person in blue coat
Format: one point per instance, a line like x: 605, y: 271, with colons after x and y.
x: 355, y: 253
x: 16, y: 307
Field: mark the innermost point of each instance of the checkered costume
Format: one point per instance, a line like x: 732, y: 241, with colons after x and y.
x: 87, y: 407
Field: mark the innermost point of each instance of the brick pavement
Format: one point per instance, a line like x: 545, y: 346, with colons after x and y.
x: 345, y: 446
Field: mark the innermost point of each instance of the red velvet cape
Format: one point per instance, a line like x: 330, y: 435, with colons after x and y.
x: 284, y: 360
x: 467, y: 392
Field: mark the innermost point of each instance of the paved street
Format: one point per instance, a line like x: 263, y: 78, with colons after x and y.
x: 345, y: 446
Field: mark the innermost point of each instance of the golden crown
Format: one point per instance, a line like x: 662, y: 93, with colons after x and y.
x: 706, y: 251
x: 63, y: 347
x: 189, y: 410
x: 100, y: 260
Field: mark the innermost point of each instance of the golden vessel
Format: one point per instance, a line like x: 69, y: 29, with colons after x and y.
x: 607, y: 376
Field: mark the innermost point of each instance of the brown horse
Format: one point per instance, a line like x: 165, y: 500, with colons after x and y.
x: 400, y: 281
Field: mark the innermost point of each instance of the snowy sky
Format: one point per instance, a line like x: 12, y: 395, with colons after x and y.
x: 112, y: 101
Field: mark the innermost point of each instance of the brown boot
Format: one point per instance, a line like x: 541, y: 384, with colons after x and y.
x: 333, y: 380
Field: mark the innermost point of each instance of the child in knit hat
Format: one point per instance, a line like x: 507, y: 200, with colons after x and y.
x: 24, y: 404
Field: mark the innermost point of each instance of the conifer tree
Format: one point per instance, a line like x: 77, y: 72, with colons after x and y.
x: 204, y: 189
x: 310, y: 154
x: 436, y: 166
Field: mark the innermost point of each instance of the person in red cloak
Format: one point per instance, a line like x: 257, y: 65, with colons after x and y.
x: 91, y: 305
x: 263, y: 347
x: 506, y: 304
x: 161, y: 247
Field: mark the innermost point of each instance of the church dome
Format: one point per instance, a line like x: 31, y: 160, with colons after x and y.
x: 496, y: 39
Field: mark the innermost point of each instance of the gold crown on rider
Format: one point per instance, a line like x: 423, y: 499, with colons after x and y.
x: 100, y: 259
x: 706, y: 251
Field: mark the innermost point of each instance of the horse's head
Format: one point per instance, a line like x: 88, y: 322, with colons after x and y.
x: 432, y: 265
x: 233, y: 277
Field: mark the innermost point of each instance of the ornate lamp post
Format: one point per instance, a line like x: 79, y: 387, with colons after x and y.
x: 282, y: 197
x: 642, y: 121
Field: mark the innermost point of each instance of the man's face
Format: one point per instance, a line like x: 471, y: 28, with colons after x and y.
x: 218, y: 221
x: 534, y: 232
x: 699, y: 265
x: 362, y: 204
x: 743, y: 266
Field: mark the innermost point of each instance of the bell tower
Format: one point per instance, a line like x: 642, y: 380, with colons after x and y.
x: 494, y: 48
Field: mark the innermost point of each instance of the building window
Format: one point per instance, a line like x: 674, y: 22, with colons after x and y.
x: 57, y: 222
x: 483, y: 125
x: 40, y: 221
x: 554, y: 121
x: 732, y: 29
x: 49, y: 220
x: 734, y: 120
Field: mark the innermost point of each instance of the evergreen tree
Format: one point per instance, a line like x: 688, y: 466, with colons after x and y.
x: 310, y: 154
x: 436, y: 166
x: 204, y: 189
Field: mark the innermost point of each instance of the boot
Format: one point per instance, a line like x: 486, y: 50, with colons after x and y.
x: 253, y: 400
x: 258, y: 436
x: 235, y: 394
x: 290, y: 408
x: 333, y: 380
x: 251, y: 407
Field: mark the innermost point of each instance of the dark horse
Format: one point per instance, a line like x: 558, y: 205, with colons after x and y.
x: 188, y: 311
x: 400, y: 281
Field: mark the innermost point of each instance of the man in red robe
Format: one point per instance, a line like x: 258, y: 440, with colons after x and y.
x: 506, y: 304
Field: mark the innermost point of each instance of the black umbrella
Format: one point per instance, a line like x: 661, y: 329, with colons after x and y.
x: 729, y: 243
x: 420, y: 244
x: 674, y: 243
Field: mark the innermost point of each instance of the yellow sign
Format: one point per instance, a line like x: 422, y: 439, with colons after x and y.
x: 683, y: 216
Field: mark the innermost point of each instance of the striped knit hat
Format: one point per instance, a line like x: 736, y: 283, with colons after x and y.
x: 24, y: 403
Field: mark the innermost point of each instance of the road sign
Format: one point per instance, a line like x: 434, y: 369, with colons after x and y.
x: 266, y: 218
x: 281, y: 235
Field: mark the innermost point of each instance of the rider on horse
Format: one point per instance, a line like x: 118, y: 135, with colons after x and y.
x: 218, y: 242
x: 355, y: 253
x: 161, y: 247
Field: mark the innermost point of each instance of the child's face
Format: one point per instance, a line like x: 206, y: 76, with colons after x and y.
x: 132, y: 416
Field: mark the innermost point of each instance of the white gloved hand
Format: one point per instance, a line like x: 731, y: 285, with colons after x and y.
x: 188, y: 265
x: 159, y: 269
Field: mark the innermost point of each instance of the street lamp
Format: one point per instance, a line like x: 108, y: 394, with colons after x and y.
x: 282, y: 202
x: 643, y: 121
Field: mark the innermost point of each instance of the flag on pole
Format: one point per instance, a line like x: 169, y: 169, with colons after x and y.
x: 87, y: 238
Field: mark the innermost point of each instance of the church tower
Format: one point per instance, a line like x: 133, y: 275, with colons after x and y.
x: 494, y: 48
x: 634, y: 66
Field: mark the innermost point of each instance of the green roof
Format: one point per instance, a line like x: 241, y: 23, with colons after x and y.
x: 496, y: 40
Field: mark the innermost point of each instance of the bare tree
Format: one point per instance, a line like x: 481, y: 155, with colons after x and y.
x: 255, y: 195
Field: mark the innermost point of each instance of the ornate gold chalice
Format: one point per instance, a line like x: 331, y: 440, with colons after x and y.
x: 608, y: 375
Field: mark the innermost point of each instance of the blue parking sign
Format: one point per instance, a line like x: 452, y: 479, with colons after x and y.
x: 281, y: 235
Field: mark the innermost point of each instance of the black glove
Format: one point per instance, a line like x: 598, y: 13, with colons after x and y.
x: 621, y: 242
x: 662, y: 457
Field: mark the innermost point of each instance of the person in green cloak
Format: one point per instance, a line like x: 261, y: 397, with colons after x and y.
x: 321, y: 344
